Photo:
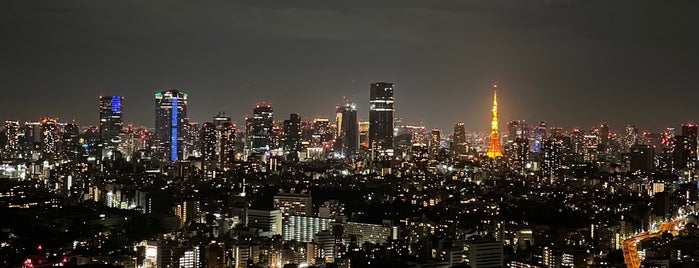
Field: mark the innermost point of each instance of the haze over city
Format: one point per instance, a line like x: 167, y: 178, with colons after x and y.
x: 570, y: 63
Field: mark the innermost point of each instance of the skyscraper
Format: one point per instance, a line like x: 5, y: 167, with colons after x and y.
x: 322, y: 136
x: 539, y: 136
x: 435, y: 142
x: 631, y: 137
x: 225, y: 140
x: 12, y: 143
x: 668, y: 143
x: 71, y: 149
x: 381, y: 115
x: 363, y: 135
x: 190, y: 138
x: 227, y: 143
x: 111, y: 122
x: 687, y: 147
x: 261, y: 128
x: 49, y: 137
x: 519, y: 154
x: 170, y: 121
x: 208, y: 138
x: 459, y: 146
x: 494, y: 142
x: 641, y: 158
x: 292, y: 136
x: 348, y: 129
x: 550, y: 157
x: 218, y: 143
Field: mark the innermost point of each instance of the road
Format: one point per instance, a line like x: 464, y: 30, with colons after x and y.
x: 629, y: 246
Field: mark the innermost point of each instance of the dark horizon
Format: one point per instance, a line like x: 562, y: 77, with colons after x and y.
x: 570, y: 63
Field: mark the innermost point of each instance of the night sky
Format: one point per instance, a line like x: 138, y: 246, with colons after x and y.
x: 569, y: 62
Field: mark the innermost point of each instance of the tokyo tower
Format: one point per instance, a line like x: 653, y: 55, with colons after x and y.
x: 494, y: 144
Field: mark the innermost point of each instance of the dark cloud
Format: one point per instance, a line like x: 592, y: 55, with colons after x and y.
x: 570, y: 62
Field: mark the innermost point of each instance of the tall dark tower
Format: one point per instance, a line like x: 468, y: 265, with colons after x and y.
x: 208, y: 138
x: 261, y: 128
x: 292, y: 136
x: 227, y: 145
x: 12, y: 139
x: 381, y: 116
x: 459, y: 145
x: 689, y: 145
x: 348, y: 129
x: 70, y: 142
x: 111, y: 122
x: 170, y: 121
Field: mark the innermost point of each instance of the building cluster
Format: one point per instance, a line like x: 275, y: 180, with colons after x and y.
x: 342, y: 192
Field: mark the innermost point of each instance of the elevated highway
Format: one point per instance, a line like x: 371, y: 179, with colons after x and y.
x: 629, y: 246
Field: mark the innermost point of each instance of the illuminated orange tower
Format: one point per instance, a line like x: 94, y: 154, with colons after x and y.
x: 494, y: 144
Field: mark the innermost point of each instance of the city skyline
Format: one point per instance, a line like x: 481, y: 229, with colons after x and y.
x: 343, y: 134
x: 240, y: 120
x: 571, y: 63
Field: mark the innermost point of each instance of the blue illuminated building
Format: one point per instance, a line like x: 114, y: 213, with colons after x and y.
x: 111, y: 123
x: 170, y: 118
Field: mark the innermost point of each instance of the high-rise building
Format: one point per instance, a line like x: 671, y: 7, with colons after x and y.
x: 364, y: 134
x: 260, y: 129
x: 322, y: 136
x: 590, y: 148
x: 224, y: 140
x: 630, y: 137
x: 550, y: 157
x: 71, y: 148
x: 459, y: 146
x: 209, y: 154
x: 49, y: 137
x: 190, y: 139
x: 668, y: 144
x: 689, y: 133
x: 604, y: 134
x: 641, y: 158
x: 91, y: 141
x: 111, y: 122
x: 494, y: 141
x: 226, y: 145
x: 292, y: 136
x: 217, y: 142
x: 381, y: 115
x: 12, y: 142
x: 685, y: 148
x: 517, y: 129
x: 539, y: 137
x: 129, y: 142
x: 520, y: 154
x: 348, y: 129
x: 170, y: 122
x: 435, y: 141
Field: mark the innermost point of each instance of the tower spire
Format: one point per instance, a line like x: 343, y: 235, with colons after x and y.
x: 494, y: 144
